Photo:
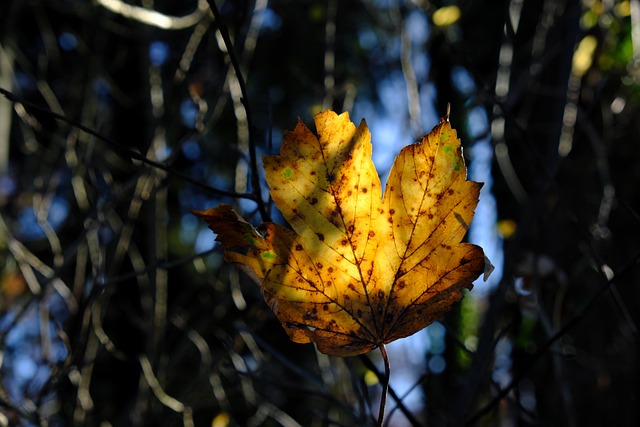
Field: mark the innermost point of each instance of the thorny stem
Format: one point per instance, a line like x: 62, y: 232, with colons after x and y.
x: 385, y: 384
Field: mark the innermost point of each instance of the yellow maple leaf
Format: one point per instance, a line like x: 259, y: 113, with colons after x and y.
x: 359, y: 269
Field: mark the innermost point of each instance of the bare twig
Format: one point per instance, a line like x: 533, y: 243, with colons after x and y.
x: 124, y: 150
x: 168, y: 401
x: 154, y: 18
x: 233, y: 57
x: 330, y: 54
x: 549, y: 343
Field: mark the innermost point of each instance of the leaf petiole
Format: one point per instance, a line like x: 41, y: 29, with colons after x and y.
x: 385, y: 384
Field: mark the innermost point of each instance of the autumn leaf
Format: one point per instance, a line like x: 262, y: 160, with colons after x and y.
x: 359, y: 269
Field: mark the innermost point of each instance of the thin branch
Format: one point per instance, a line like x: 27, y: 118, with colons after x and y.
x: 634, y: 6
x: 163, y: 397
x: 166, y: 265
x: 330, y: 54
x: 233, y: 57
x: 154, y: 18
x: 410, y: 79
x: 547, y: 345
x: 124, y: 150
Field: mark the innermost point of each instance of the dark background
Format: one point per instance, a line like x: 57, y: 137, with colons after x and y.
x: 116, y: 311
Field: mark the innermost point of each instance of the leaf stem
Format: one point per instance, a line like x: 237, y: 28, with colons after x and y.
x: 385, y: 384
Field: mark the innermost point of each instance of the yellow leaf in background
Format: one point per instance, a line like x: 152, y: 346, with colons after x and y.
x: 370, y: 379
x: 583, y: 56
x: 622, y: 9
x: 221, y: 420
x: 445, y: 16
x: 359, y: 269
x: 507, y: 228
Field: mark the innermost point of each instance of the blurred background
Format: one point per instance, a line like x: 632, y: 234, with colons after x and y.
x: 118, y: 117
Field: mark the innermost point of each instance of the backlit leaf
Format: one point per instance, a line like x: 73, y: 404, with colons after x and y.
x: 359, y: 268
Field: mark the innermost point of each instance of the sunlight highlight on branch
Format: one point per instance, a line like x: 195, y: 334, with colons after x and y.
x: 154, y: 18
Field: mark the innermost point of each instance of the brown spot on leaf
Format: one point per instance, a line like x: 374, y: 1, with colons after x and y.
x: 365, y: 189
x: 298, y: 247
x: 320, y: 236
x: 313, y: 201
x: 319, y: 265
x: 380, y: 294
x: 372, y: 233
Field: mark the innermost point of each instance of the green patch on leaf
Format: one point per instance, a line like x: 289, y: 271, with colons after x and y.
x: 450, y: 152
x: 287, y: 173
x: 249, y: 239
